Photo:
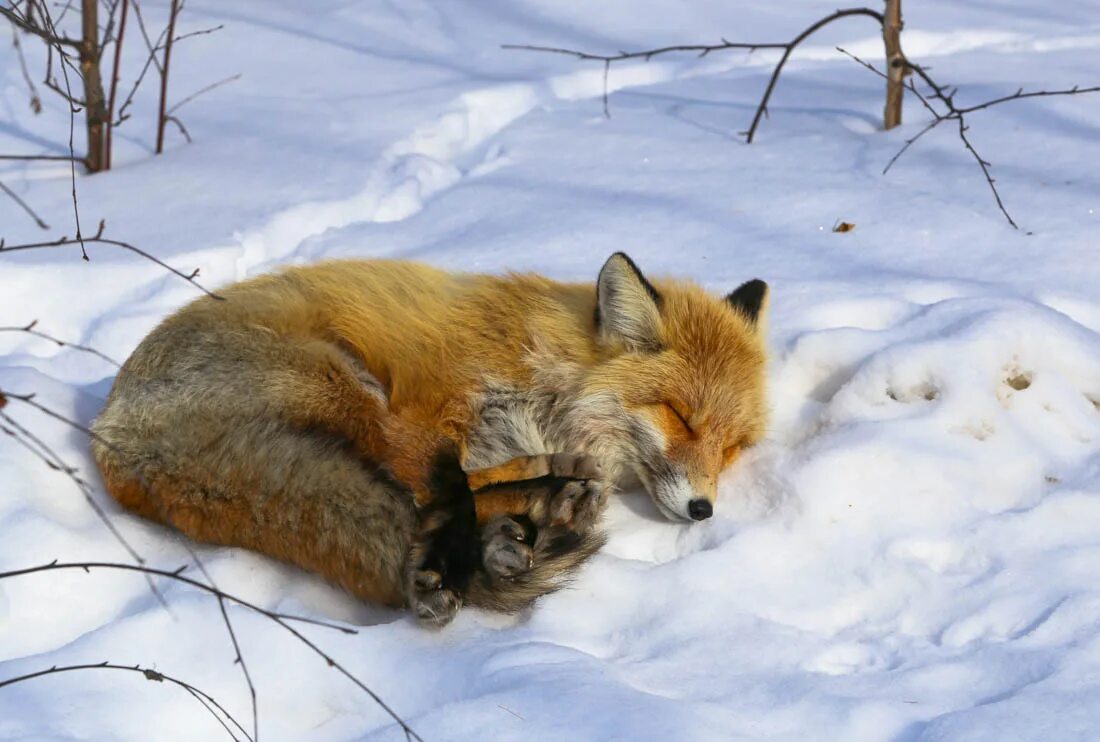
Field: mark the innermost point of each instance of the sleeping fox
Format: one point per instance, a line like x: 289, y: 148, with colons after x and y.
x: 343, y: 416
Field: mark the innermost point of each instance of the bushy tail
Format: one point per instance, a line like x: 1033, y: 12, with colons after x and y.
x: 559, y: 553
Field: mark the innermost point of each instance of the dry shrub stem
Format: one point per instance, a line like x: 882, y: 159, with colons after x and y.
x: 899, y: 76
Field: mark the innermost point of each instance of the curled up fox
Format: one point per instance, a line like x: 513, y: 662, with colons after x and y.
x: 330, y: 415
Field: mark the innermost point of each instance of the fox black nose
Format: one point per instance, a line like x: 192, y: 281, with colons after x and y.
x: 700, y: 509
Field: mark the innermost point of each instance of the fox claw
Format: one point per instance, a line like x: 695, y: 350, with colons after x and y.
x: 433, y: 604
x: 505, y: 553
x: 578, y: 504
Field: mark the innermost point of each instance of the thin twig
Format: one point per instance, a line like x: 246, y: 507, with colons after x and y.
x: 23, y: 205
x: 162, y: 118
x: 29, y: 329
x: 61, y: 158
x: 281, y: 619
x: 150, y: 674
x: 945, y: 97
x: 42, y: 451
x: 762, y: 109
x: 50, y: 36
x: 201, y: 32
x: 36, y: 101
x: 180, y: 126
x: 115, y: 70
x: 151, y: 60
x: 72, y: 126
x: 239, y: 659
x: 703, y: 50
x: 175, y: 107
x: 98, y: 238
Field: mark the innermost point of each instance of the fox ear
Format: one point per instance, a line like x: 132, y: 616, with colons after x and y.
x: 750, y: 299
x: 628, y: 308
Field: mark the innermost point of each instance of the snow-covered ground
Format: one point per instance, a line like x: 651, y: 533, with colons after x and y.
x: 914, y: 553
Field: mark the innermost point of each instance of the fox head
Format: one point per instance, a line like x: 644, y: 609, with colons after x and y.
x: 686, y: 369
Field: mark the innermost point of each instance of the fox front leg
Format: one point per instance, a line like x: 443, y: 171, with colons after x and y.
x: 535, y: 505
x: 525, y: 532
x: 558, y: 489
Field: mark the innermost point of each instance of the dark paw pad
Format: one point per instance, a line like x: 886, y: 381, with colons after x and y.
x: 505, y: 552
x: 577, y: 505
x: 433, y: 604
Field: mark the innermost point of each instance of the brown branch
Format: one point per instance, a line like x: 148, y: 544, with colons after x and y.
x: 200, y: 32
x: 283, y: 620
x: 180, y: 126
x: 151, y: 60
x: 29, y: 329
x: 23, y: 205
x: 36, y: 101
x: 49, y: 35
x: 45, y: 453
x: 72, y: 123
x: 162, y: 117
x: 73, y: 102
x: 115, y: 69
x: 762, y: 109
x: 175, y: 107
x: 95, y: 114
x: 946, y: 98
x: 156, y: 676
x: 98, y: 238
x: 895, y: 64
x: 704, y: 49
x: 1020, y: 95
x: 63, y: 158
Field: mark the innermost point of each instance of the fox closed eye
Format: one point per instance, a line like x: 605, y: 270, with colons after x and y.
x: 681, y: 416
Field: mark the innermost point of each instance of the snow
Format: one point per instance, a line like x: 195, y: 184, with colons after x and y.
x: 912, y: 554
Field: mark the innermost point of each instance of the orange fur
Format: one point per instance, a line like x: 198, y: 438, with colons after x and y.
x: 394, y: 360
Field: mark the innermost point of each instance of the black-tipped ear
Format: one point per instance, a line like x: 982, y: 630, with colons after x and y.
x: 628, y: 308
x: 749, y: 299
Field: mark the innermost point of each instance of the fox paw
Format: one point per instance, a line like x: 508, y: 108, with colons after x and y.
x: 505, y: 551
x: 433, y: 604
x: 577, y: 505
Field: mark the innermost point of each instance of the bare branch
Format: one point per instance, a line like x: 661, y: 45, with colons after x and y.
x: 45, y: 453
x: 156, y: 676
x: 1021, y: 95
x: 36, y: 101
x: 98, y: 238
x: 703, y: 50
x: 283, y: 620
x: 200, y: 32
x: 945, y: 97
x: 29, y: 329
x: 162, y: 118
x: 201, y: 91
x: 49, y: 35
x: 115, y: 69
x: 762, y: 109
x: 61, y: 158
x: 23, y: 205
x: 180, y: 126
